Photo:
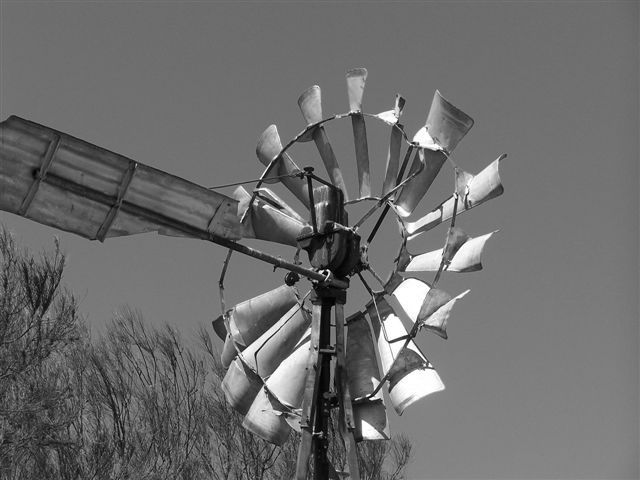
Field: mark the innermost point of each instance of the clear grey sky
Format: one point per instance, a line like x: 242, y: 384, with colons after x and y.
x: 541, y: 365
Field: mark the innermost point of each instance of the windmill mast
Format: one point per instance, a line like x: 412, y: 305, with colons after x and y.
x: 331, y: 246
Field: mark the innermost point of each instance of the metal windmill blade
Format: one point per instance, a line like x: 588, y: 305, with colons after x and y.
x: 310, y: 103
x: 466, y: 258
x: 356, y: 79
x: 291, y: 358
x: 392, y: 117
x: 284, y: 168
x: 446, y: 125
x: 476, y: 190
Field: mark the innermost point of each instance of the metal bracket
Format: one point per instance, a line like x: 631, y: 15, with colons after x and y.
x: 113, y: 212
x: 40, y: 175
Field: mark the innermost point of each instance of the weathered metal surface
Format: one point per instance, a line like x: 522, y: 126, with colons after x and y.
x: 332, y: 246
x: 446, y: 123
x: 372, y: 422
x: 362, y: 366
x: 266, y: 222
x: 278, y: 203
x: 412, y: 377
x: 311, y: 107
x: 268, y: 351
x: 287, y: 381
x: 259, y: 360
x: 436, y: 310
x: 240, y: 386
x: 417, y: 187
x: 310, y: 103
x: 40, y: 175
x: 356, y: 80
x: 362, y: 154
x: 364, y: 377
x: 418, y: 302
x: 392, y: 117
x: 122, y: 191
x: 393, y: 160
x: 272, y: 414
x: 456, y: 237
x: 410, y: 295
x: 229, y: 352
x: 219, y: 327
x: 251, y: 318
x: 466, y: 259
x: 266, y: 418
x: 77, y: 167
x: 482, y: 187
x: 311, y: 388
x: 278, y: 262
x: 269, y: 147
x: 347, y: 426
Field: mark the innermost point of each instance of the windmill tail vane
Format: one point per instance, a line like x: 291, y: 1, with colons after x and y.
x: 291, y: 357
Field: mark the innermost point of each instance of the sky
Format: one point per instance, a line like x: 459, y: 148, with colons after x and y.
x: 541, y: 364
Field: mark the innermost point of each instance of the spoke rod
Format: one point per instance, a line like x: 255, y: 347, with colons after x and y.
x: 378, y: 223
x: 314, y: 222
x: 279, y: 262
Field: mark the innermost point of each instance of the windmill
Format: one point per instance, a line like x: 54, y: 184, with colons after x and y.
x: 291, y: 358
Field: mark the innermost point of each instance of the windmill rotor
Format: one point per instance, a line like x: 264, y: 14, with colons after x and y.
x: 291, y: 357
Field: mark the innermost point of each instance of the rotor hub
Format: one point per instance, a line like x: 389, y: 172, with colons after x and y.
x: 329, y: 243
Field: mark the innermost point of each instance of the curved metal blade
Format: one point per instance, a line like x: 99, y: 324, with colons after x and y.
x: 482, y: 187
x: 245, y: 376
x: 67, y: 183
x: 251, y: 318
x: 363, y: 379
x: 266, y: 419
x: 356, y: 80
x: 287, y: 382
x: 436, y: 310
x: 219, y: 327
x: 269, y: 147
x: 268, y: 351
x: 456, y: 237
x: 278, y: 203
x: 446, y: 123
x: 362, y: 154
x: 407, y: 298
x: 310, y: 103
x: 417, y: 187
x: 414, y: 301
x: 392, y: 117
x: 240, y: 386
x: 266, y: 222
x: 370, y: 418
x: 311, y: 108
x: 393, y: 161
x: 229, y: 352
x: 466, y: 259
x: 411, y: 375
x: 362, y: 367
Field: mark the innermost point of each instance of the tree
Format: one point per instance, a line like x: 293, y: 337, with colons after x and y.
x: 38, y: 328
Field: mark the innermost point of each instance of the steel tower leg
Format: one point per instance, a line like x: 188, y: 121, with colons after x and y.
x: 315, y: 406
